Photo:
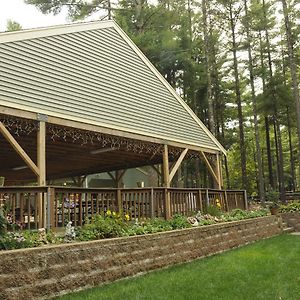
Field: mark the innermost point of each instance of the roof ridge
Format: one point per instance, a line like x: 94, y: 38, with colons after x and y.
x: 23, y: 34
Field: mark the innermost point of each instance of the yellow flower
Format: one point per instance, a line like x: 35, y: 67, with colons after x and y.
x: 108, y: 213
x: 114, y: 213
x: 218, y: 204
x: 127, y: 218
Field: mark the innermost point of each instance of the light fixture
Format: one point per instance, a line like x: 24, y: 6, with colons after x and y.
x: 103, y: 150
x: 20, y: 168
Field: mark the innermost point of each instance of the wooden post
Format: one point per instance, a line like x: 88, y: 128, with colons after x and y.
x: 166, y: 182
x: 226, y: 201
x: 51, y: 212
x: 41, y: 164
x: 200, y: 200
x: 218, y: 172
x: 119, y: 201
x: 152, y: 203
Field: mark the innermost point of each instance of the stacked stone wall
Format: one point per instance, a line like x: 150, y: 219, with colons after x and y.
x: 49, y: 271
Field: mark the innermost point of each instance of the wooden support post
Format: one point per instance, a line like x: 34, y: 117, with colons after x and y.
x: 218, y: 172
x: 41, y: 164
x: 7, y: 135
x: 166, y: 182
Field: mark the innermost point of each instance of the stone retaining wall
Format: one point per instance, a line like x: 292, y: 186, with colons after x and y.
x: 292, y: 220
x: 41, y: 273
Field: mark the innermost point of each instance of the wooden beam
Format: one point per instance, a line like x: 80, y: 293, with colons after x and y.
x: 7, y: 135
x: 156, y: 169
x: 210, y: 168
x: 79, y: 124
x: 112, y: 176
x: 178, y: 163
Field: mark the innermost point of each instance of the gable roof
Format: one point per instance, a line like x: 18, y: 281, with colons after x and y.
x: 93, y: 73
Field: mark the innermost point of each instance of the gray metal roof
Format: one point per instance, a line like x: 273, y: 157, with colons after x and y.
x: 93, y: 73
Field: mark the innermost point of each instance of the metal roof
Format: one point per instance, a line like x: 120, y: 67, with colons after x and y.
x: 93, y: 73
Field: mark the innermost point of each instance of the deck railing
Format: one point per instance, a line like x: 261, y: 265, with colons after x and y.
x: 52, y: 207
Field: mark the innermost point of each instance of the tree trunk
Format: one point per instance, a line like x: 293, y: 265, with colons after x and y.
x: 238, y: 99
x: 211, y: 121
x: 276, y: 124
x: 254, y: 108
x: 293, y: 66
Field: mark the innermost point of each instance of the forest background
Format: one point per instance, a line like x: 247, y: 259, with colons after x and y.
x: 236, y: 63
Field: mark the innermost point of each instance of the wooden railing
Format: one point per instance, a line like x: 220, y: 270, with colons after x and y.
x: 59, y: 205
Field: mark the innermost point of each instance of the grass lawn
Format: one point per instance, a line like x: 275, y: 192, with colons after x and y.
x: 268, y: 269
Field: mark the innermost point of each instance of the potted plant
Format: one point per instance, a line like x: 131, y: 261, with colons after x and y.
x: 272, y: 198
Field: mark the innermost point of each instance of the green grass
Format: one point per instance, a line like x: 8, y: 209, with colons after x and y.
x: 268, y: 269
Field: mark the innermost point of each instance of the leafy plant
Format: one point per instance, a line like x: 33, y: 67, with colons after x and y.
x: 213, y: 211
x: 290, y: 207
x: 273, y: 197
x: 179, y: 222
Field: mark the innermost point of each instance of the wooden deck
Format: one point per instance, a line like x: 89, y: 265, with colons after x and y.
x: 60, y: 205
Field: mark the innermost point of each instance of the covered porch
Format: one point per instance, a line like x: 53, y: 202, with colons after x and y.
x: 35, y: 152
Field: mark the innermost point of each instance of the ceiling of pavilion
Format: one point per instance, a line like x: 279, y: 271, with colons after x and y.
x: 72, y: 152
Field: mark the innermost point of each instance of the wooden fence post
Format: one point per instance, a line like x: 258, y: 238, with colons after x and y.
x: 207, y: 199
x: 50, y: 223
x: 167, y: 204
x: 226, y: 201
x: 152, y: 203
x: 200, y: 206
x: 119, y: 201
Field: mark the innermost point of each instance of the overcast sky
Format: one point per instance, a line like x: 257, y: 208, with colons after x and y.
x: 27, y: 15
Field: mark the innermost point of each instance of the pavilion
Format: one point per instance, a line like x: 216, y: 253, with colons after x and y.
x: 81, y: 99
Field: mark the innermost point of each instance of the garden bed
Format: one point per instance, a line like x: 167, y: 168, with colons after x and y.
x: 43, y: 272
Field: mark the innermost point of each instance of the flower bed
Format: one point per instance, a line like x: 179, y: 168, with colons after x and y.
x: 112, y: 225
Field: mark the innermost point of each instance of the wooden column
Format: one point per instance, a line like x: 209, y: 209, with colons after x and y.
x: 41, y: 164
x: 166, y: 182
x: 119, y: 175
x: 218, y: 172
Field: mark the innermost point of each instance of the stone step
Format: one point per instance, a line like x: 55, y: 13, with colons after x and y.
x: 288, y: 229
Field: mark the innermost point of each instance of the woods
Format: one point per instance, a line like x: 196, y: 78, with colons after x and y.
x: 235, y: 64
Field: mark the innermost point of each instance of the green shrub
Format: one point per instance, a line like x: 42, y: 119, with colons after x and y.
x: 3, y: 224
x: 179, y: 222
x: 290, y: 207
x: 18, y: 240
x: 101, y: 227
x: 213, y: 211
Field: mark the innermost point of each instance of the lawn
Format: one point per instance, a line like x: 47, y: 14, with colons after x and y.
x: 268, y: 269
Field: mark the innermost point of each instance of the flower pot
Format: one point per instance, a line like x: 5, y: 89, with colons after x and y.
x: 274, y: 210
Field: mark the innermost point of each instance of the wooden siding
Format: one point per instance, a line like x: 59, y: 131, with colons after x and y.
x: 96, y: 77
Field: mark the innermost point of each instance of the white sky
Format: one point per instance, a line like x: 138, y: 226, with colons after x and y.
x: 27, y: 15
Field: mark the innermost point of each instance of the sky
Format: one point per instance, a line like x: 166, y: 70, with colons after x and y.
x: 27, y: 15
